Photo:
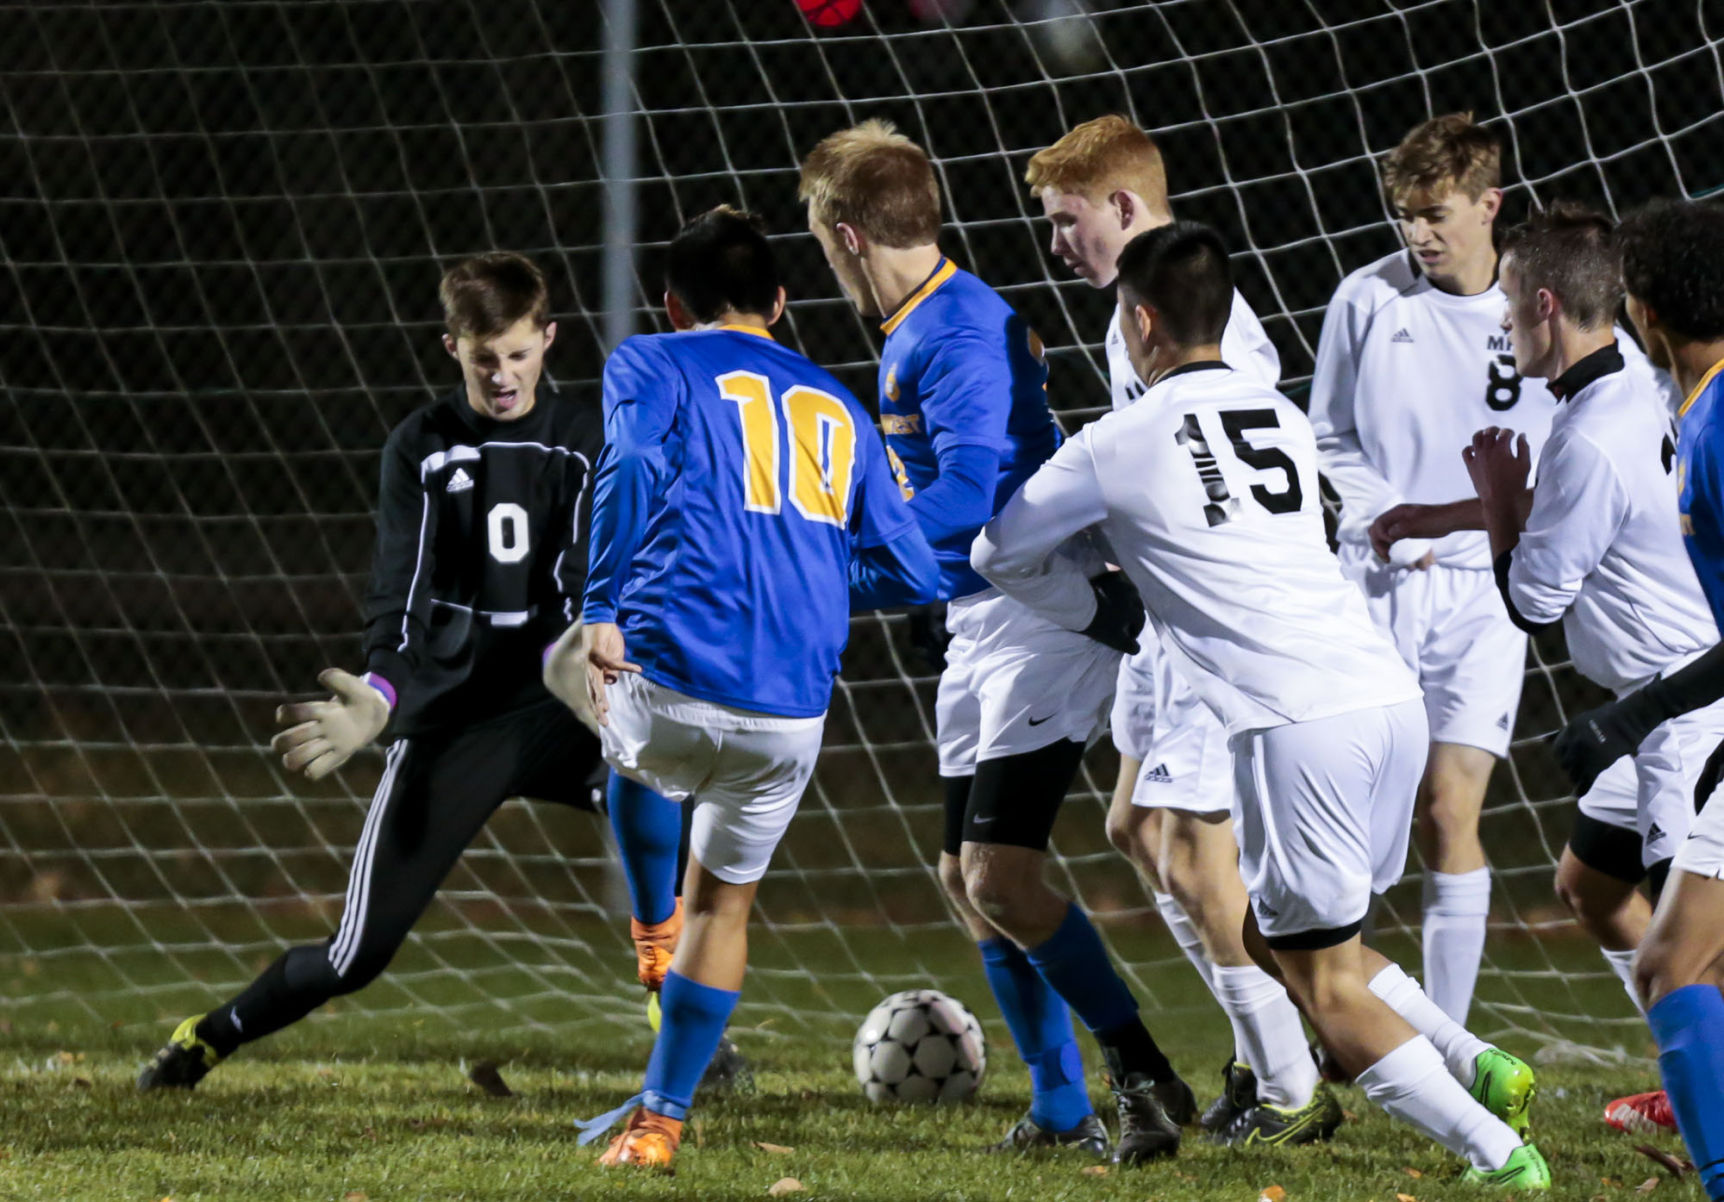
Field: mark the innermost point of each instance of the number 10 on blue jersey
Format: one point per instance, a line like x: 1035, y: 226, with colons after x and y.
x: 822, y: 445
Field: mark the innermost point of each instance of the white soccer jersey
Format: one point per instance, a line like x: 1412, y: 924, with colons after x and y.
x: 1206, y: 489
x: 1602, y: 550
x: 1406, y: 374
x: 1244, y: 345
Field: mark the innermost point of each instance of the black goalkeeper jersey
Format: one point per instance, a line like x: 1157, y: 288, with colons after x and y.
x: 481, y: 556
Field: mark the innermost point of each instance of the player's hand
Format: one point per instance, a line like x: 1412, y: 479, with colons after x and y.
x: 928, y: 636
x: 566, y: 675
x: 1499, y: 463
x: 1409, y: 521
x: 1118, y: 613
x: 1599, y: 737
x: 605, y: 654
x: 323, y: 735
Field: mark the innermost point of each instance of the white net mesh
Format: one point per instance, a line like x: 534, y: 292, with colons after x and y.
x: 223, y: 224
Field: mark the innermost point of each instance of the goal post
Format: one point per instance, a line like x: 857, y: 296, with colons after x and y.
x: 223, y: 224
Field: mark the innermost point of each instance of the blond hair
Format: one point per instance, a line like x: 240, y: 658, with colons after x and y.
x: 1445, y: 152
x: 873, y: 178
x: 1101, y: 157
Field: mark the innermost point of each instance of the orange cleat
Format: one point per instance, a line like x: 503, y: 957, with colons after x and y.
x: 655, y: 945
x: 1642, y: 1114
x: 648, y: 1142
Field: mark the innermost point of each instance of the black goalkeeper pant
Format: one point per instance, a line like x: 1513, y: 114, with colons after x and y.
x: 436, y: 793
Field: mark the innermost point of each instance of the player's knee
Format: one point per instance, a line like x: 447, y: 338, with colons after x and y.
x: 1661, y: 968
x: 1130, y: 829
x: 952, y: 879
x: 355, y: 973
x: 995, y: 895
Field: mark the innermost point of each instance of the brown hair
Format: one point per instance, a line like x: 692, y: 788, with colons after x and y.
x: 872, y: 177
x: 1572, y: 251
x: 485, y: 295
x: 1448, y: 150
x: 1100, y: 157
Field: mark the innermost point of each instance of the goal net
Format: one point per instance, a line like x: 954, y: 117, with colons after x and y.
x: 223, y: 225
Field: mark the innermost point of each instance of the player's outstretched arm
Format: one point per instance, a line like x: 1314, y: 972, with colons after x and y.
x: 1599, y: 737
x: 321, y: 736
x: 891, y: 562
x: 1018, y: 551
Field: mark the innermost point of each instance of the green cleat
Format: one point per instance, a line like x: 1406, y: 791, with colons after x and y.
x: 1504, y: 1085
x: 1525, y: 1169
x: 183, y: 1061
x: 1266, y: 1126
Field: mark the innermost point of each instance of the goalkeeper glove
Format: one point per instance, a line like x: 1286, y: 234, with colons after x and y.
x: 321, y: 736
x: 928, y: 636
x: 1118, y: 612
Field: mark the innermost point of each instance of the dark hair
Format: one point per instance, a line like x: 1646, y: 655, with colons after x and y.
x: 1572, y: 251
x: 1673, y: 262
x: 485, y: 295
x: 721, y: 260
x: 1181, y: 271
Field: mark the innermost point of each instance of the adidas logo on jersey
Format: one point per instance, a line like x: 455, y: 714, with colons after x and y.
x: 1503, y: 722
x: 1159, y: 774
x: 460, y: 481
x: 1401, y: 335
x: 1654, y: 833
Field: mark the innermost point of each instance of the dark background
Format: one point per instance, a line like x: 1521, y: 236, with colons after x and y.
x: 222, y: 227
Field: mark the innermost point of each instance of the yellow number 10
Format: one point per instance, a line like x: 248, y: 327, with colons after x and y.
x: 822, y: 447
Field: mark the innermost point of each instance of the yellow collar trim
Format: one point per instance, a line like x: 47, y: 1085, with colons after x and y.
x: 1700, y: 388
x: 759, y: 331
x: 945, y: 271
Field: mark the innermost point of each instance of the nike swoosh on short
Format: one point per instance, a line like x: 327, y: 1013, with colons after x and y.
x: 1039, y: 721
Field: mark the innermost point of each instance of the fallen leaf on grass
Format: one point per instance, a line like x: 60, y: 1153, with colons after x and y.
x: 81, y: 1082
x: 354, y: 1195
x: 484, y: 1074
x: 784, y: 1185
x: 1273, y: 1193
x: 778, y: 1149
x: 1676, y: 1165
x: 1415, y: 1174
x: 1647, y: 1186
x: 1405, y: 1198
x: 1094, y: 1170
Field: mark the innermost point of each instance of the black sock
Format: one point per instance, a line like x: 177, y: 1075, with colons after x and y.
x: 1129, y: 1048
x: 297, y: 983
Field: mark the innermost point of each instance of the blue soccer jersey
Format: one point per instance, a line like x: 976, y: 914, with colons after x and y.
x: 1700, y: 476
x: 737, y: 483
x: 961, y: 369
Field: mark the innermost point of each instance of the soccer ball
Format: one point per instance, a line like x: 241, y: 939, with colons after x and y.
x: 919, y: 1046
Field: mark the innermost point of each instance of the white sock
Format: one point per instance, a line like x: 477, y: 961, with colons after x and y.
x: 1457, y: 905
x: 1185, y: 934
x: 1269, y: 1035
x: 1412, y: 1084
x: 1622, y: 964
x: 1458, y: 1046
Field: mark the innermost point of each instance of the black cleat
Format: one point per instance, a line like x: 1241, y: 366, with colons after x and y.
x: 1025, y: 1136
x: 1177, y: 1100
x: 1238, y: 1094
x: 728, y: 1071
x: 183, y: 1061
x: 1266, y: 1126
x: 1145, y: 1131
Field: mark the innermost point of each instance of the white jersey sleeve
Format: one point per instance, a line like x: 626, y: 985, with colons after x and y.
x: 1602, y: 549
x: 1019, y: 550
x: 1245, y: 346
x: 1364, y: 490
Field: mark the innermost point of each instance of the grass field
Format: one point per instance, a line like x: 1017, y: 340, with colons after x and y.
x: 360, y: 1105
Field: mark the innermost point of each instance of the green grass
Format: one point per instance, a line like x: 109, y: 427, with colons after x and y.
x: 379, y: 1105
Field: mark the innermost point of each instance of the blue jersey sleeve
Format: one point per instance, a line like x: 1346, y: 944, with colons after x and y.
x: 891, y: 561
x: 641, y: 395
x: 966, y: 399
x: 1703, y: 516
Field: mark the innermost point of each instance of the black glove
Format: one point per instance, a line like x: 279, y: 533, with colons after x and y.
x: 928, y: 636
x: 1118, y: 612
x: 1599, y: 737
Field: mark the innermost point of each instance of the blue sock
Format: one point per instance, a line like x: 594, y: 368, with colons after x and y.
x: 649, y: 834
x: 688, y: 1035
x: 1688, y: 1024
x: 1041, y: 1026
x: 1075, y: 963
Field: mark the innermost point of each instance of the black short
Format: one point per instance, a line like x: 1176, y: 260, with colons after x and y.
x: 1611, y: 850
x: 1013, y: 800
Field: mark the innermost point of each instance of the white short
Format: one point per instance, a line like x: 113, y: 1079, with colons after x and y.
x: 746, y: 771
x: 1652, y: 792
x: 1450, y: 627
x: 1179, y: 743
x: 1325, y: 810
x: 1015, y: 682
x: 1702, y: 852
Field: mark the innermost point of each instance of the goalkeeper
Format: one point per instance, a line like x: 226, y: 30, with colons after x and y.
x: 480, y: 562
